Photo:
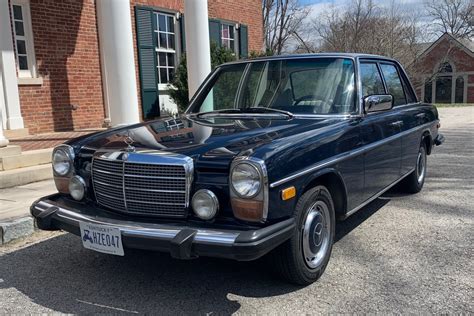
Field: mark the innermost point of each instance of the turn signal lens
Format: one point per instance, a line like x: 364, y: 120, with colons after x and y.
x: 288, y: 193
x: 247, y: 210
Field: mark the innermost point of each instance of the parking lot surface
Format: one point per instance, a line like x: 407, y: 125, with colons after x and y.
x: 401, y: 253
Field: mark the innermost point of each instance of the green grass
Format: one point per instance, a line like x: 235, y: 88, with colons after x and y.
x: 452, y: 105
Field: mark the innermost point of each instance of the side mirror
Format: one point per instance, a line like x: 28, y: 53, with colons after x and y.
x: 378, y: 102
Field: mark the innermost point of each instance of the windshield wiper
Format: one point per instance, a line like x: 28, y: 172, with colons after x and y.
x: 242, y: 111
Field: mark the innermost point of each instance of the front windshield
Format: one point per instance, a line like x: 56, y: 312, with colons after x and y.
x: 300, y: 86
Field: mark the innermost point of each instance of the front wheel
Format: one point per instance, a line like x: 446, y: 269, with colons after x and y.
x: 413, y: 183
x: 303, y: 258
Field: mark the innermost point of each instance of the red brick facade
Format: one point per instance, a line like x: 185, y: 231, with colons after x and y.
x: 67, y: 58
x: 446, y: 50
x: 67, y: 55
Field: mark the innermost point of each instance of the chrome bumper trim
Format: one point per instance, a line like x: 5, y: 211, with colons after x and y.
x: 141, y: 229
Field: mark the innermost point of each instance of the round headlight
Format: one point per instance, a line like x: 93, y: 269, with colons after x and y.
x: 246, y: 180
x: 77, y: 188
x: 205, y: 204
x: 62, y: 161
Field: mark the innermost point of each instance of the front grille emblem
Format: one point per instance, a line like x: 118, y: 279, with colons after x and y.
x: 129, y: 141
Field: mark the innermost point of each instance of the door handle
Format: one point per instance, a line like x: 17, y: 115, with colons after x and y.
x: 396, y: 124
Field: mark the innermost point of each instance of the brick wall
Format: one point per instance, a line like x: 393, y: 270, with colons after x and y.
x: 67, y: 57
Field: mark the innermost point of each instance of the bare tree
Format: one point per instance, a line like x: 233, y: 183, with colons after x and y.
x: 282, y: 22
x: 362, y: 27
x: 455, y: 17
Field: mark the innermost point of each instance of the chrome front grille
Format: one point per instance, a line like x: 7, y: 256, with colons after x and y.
x: 142, y: 189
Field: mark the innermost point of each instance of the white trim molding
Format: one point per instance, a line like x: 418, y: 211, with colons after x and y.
x: 25, y: 35
x: 10, y: 103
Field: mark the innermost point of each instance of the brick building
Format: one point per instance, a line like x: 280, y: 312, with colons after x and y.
x: 445, y: 71
x: 56, y: 70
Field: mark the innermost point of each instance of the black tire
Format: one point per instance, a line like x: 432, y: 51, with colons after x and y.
x: 288, y: 260
x: 413, y: 183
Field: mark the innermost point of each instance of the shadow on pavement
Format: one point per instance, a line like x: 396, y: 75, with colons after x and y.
x: 60, y: 275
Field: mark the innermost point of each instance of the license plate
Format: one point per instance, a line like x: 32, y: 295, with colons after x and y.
x: 101, y: 238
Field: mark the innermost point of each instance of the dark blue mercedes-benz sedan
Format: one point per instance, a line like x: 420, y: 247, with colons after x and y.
x: 268, y: 155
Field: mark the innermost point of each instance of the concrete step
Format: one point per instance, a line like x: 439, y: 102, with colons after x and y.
x: 10, y: 150
x: 16, y: 133
x: 21, y: 176
x: 26, y: 159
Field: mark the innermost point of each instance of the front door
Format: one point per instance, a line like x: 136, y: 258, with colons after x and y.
x: 379, y: 130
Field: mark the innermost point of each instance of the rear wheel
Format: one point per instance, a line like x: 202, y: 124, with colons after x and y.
x: 413, y: 183
x: 303, y: 258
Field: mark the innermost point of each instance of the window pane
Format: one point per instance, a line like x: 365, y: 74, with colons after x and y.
x: 171, y: 73
x: 371, y: 80
x: 231, y: 32
x: 19, y: 30
x: 23, y: 62
x: 394, y: 85
x: 225, y: 43
x: 428, y: 91
x: 163, y: 75
x: 17, y: 14
x: 161, y: 23
x: 162, y: 38
x: 443, y: 89
x: 161, y: 59
x: 171, y: 41
x: 305, y: 86
x: 170, y: 24
x: 459, y: 97
x: 231, y: 45
x: 223, y: 93
x: 21, y: 47
x: 170, y: 60
x: 225, y: 31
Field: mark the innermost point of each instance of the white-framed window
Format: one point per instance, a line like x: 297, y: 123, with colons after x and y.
x: 166, y: 46
x: 23, y: 38
x: 228, y: 36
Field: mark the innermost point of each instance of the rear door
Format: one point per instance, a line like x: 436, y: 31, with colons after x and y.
x: 380, y: 129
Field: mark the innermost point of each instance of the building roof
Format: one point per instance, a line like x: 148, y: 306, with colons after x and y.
x: 465, y: 44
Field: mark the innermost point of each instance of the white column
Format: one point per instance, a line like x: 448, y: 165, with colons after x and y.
x: 117, y: 56
x: 3, y: 139
x: 8, y: 71
x: 198, y: 51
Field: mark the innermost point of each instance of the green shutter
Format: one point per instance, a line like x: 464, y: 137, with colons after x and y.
x: 183, y: 34
x: 243, y: 41
x: 215, y: 32
x: 146, y: 43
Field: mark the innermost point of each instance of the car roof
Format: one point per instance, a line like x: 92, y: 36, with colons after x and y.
x: 313, y: 55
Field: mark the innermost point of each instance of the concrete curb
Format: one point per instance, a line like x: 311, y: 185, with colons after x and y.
x: 17, y: 228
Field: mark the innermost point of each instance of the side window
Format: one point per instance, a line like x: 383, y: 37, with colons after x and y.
x: 394, y: 84
x: 371, y: 79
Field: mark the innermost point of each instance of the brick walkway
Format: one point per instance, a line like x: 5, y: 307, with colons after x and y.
x: 42, y: 141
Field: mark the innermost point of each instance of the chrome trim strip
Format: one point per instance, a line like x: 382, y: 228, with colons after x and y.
x: 378, y: 194
x: 136, y: 175
x: 135, y: 229
x: 349, y: 154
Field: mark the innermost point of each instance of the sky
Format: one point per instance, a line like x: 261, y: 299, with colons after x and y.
x: 318, y: 6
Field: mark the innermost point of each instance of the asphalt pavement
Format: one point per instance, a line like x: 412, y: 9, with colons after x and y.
x: 401, y: 253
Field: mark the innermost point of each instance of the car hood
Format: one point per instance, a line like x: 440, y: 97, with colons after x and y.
x: 212, y: 138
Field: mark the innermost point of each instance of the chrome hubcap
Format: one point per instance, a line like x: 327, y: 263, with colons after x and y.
x: 420, y: 166
x: 316, y: 234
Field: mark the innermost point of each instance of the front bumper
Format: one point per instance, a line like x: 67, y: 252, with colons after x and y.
x: 181, y: 240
